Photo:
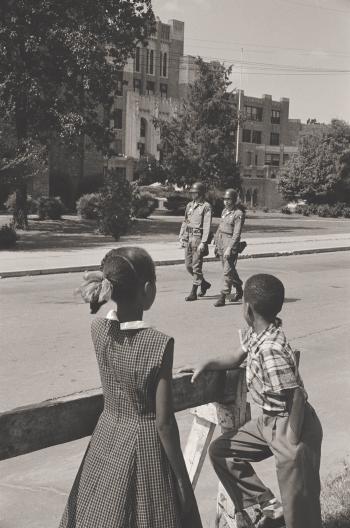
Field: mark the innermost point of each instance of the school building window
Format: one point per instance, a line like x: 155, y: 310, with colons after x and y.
x: 253, y: 113
x: 249, y: 156
x: 143, y: 127
x: 150, y: 61
x: 117, y: 119
x: 117, y: 147
x: 285, y: 158
x: 275, y: 116
x: 164, y: 67
x: 272, y: 159
x: 150, y: 87
x: 256, y: 137
x: 137, y: 85
x: 247, y: 134
x: 274, y: 138
x: 137, y: 60
x: 163, y: 90
x: 142, y: 148
x: 119, y: 83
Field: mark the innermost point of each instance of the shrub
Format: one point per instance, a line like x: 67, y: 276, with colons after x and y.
x: 88, y: 206
x: 323, y: 211
x: 299, y: 209
x: 176, y: 202
x: 286, y: 210
x: 115, y: 205
x: 336, y: 210
x: 312, y: 208
x: 8, y: 237
x: 32, y: 205
x: 143, y: 203
x: 50, y: 208
x: 346, y: 212
x: 265, y: 209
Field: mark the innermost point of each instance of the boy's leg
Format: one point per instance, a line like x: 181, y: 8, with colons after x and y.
x: 231, y: 455
x: 298, y: 471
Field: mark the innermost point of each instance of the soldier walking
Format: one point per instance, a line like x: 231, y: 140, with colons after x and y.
x: 194, y: 235
x: 227, y: 241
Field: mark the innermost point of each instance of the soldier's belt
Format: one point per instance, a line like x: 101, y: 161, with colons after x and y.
x: 194, y: 230
x: 226, y: 232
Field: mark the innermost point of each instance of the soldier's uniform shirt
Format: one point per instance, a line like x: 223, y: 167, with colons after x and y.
x: 230, y: 229
x: 198, y: 219
x: 195, y: 230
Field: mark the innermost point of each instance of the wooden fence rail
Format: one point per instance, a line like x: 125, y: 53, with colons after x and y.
x: 219, y: 398
x: 69, y: 418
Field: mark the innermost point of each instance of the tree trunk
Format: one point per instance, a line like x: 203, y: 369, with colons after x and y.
x: 20, y: 214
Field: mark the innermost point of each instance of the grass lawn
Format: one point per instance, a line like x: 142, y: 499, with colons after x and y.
x: 71, y: 232
x: 335, y: 500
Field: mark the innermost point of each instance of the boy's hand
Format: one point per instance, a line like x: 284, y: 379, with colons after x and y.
x: 195, y: 369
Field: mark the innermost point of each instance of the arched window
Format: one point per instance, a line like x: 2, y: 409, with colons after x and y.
x: 255, y: 197
x: 143, y: 127
x: 248, y: 197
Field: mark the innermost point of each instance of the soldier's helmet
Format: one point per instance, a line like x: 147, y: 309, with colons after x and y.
x: 198, y: 187
x: 231, y: 194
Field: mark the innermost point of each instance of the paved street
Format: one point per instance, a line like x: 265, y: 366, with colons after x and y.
x: 47, y: 352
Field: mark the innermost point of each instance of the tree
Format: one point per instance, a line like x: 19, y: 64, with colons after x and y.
x: 198, y: 142
x: 115, y: 205
x: 58, y: 63
x: 148, y: 170
x: 320, y: 171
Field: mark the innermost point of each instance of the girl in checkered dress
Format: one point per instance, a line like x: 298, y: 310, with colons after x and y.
x: 133, y: 474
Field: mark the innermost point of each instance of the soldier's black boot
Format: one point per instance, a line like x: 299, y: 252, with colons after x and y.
x: 193, y: 294
x: 238, y: 295
x: 204, y: 287
x: 221, y: 300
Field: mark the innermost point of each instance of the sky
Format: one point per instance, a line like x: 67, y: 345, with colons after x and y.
x: 298, y: 49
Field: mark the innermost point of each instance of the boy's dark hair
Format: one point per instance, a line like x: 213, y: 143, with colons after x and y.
x: 265, y: 293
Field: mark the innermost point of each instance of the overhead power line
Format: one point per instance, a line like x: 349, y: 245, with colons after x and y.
x: 302, y: 4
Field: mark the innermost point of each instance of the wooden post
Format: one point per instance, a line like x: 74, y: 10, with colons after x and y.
x: 229, y: 416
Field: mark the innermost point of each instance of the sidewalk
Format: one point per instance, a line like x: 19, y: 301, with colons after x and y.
x: 39, y: 262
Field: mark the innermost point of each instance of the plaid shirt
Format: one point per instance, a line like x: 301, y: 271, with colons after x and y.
x: 271, y: 367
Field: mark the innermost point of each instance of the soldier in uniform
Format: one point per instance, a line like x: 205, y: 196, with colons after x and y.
x: 194, y: 235
x: 227, y: 241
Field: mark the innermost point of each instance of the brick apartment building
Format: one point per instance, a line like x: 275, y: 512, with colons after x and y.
x: 267, y: 138
x: 151, y: 85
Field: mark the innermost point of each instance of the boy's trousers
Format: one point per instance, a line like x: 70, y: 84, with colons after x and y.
x: 297, y: 466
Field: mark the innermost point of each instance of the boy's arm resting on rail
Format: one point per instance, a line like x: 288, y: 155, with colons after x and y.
x: 296, y: 401
x: 225, y: 362
x: 168, y: 430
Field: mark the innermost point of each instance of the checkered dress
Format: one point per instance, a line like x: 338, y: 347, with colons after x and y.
x: 125, y: 480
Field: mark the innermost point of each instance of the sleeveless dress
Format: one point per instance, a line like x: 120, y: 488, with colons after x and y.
x: 125, y: 479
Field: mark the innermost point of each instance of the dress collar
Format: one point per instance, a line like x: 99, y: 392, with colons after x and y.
x: 128, y: 325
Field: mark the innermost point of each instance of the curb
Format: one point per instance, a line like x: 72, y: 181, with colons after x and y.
x: 170, y: 262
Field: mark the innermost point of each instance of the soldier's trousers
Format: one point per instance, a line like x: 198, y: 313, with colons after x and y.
x: 194, y: 259
x: 231, y: 277
x: 297, y: 466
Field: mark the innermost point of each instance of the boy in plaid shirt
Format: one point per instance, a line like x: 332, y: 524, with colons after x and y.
x: 287, y: 427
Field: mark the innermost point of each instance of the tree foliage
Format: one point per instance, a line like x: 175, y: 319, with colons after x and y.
x: 56, y: 79
x: 198, y: 142
x: 320, y: 171
x: 149, y: 170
